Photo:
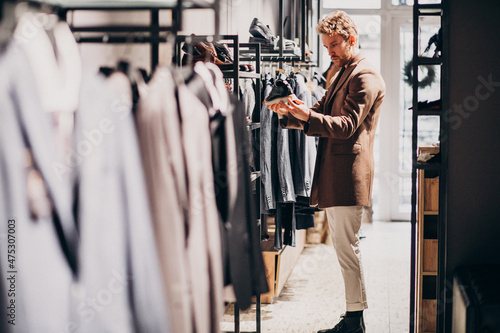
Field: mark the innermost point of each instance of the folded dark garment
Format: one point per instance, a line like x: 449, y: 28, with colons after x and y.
x: 426, y: 105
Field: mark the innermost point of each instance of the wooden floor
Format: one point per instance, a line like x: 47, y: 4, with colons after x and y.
x: 313, y: 297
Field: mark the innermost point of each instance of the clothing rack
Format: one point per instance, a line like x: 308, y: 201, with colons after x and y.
x: 232, y: 42
x: 151, y: 35
x: 135, y: 34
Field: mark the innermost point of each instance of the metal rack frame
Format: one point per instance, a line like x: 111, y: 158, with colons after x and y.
x: 442, y: 275
x: 149, y: 34
x: 236, y: 75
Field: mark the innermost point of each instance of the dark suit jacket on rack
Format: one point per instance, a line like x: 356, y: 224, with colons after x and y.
x: 247, y: 265
x: 345, y: 119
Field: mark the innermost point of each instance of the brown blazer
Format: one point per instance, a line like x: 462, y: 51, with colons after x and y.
x: 345, y: 119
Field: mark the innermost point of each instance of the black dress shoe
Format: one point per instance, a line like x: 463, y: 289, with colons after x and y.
x: 223, y: 52
x: 280, y: 92
x: 206, y: 52
x: 259, y: 30
x: 347, y: 325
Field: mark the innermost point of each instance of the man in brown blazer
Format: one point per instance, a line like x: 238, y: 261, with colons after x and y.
x: 345, y: 119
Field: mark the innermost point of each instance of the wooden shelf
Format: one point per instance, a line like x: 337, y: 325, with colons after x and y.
x: 428, y: 315
x: 429, y: 166
x: 430, y: 258
x: 280, y: 263
x: 428, y: 216
x: 425, y: 112
x: 431, y: 194
x: 427, y: 247
x: 423, y: 61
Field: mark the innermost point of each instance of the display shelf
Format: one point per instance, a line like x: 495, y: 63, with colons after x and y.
x: 281, y: 59
x: 280, y: 263
x: 242, y: 75
x: 428, y: 166
x: 249, y: 75
x: 429, y: 61
x: 429, y: 112
x: 121, y: 39
x: 428, y: 212
x: 427, y: 247
x: 119, y: 28
x: 428, y: 9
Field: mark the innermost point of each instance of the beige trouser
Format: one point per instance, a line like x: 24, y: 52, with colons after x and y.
x: 344, y: 223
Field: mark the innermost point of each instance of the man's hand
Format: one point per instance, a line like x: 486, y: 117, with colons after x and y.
x: 295, y: 107
x: 279, y: 109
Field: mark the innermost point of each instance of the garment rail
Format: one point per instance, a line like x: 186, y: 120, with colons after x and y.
x: 151, y: 32
x: 232, y: 42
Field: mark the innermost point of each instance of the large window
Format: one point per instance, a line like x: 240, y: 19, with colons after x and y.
x: 386, y: 39
x: 369, y: 39
x: 428, y: 133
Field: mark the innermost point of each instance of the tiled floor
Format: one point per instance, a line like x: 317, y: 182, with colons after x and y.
x: 313, y: 297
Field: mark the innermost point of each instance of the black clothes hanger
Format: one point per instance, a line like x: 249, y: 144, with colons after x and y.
x: 130, y: 71
x: 196, y: 84
x: 106, y: 71
x: 145, y: 76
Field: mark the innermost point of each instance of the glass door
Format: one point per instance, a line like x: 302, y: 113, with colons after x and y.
x: 386, y: 38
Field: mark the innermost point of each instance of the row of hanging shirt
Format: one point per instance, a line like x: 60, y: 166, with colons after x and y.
x: 121, y: 224
x: 285, y: 157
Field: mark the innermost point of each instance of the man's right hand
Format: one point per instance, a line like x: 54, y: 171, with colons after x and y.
x: 280, y: 108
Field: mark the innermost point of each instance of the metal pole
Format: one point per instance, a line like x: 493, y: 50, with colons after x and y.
x: 303, y: 31
x: 413, y: 317
x: 280, y: 33
x: 155, y: 34
x: 236, y: 318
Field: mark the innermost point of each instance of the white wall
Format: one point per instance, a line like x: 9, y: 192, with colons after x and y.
x: 236, y: 16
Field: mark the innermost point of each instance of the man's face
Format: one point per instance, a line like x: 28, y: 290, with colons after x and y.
x: 339, y: 49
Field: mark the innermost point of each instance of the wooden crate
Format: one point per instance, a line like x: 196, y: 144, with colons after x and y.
x: 428, y: 149
x: 430, y: 260
x: 279, y: 266
x: 431, y: 194
x: 429, y: 315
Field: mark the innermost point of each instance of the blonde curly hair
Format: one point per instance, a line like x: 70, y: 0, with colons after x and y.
x: 337, y: 22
